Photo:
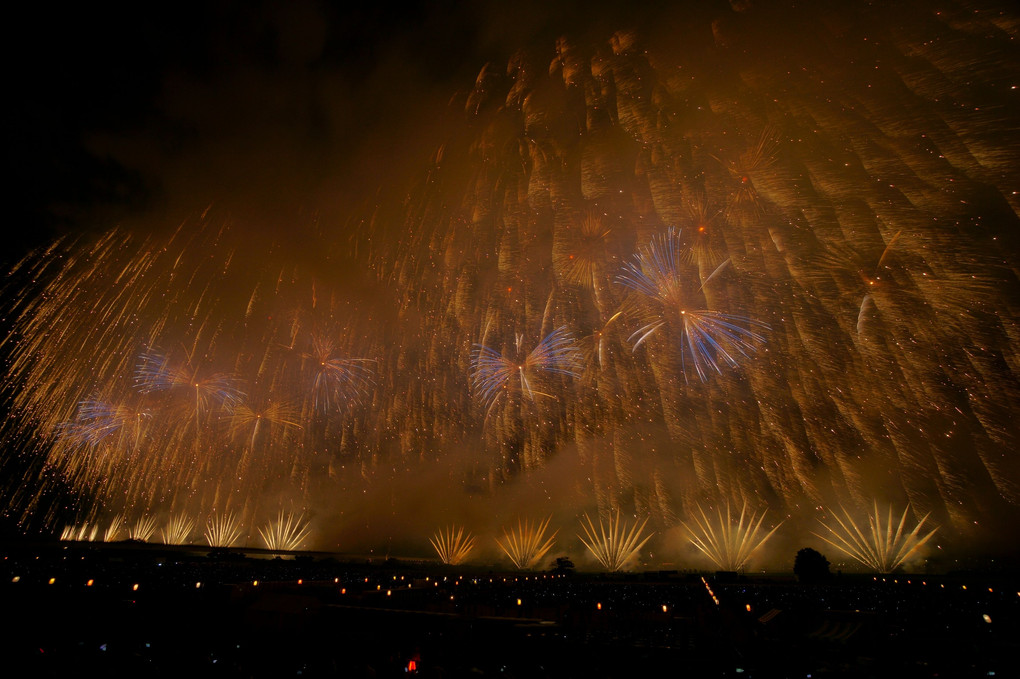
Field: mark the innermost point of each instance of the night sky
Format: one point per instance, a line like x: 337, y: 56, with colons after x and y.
x: 123, y: 110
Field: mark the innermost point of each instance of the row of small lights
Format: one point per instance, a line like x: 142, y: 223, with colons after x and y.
x: 457, y: 582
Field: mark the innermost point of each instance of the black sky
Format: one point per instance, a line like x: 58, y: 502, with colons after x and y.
x: 267, y: 108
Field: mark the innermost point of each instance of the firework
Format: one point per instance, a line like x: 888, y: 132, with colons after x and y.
x: 141, y: 402
x: 727, y: 543
x: 97, y: 421
x: 337, y: 381
x: 634, y: 190
x: 248, y: 423
x: 747, y: 169
x: 706, y: 338
x: 884, y: 546
x: 614, y: 544
x: 452, y: 545
x: 177, y: 530
x: 286, y: 533
x: 493, y: 374
x: 581, y: 258
x: 223, y: 530
x: 525, y: 545
x: 82, y: 532
x: 114, y: 529
x: 142, y: 529
x: 203, y: 390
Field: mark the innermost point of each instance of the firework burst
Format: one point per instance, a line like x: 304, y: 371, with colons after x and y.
x: 337, y: 381
x: 728, y: 543
x: 526, y: 544
x: 614, y: 544
x: 494, y: 374
x: 669, y: 299
x: 885, y: 545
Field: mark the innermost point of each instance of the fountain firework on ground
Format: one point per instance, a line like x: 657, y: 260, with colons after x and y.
x: 285, y: 533
x: 727, y: 543
x: 526, y: 544
x: 453, y: 545
x: 223, y: 530
x: 883, y: 546
x: 177, y: 529
x: 142, y: 529
x: 843, y: 233
x: 614, y: 544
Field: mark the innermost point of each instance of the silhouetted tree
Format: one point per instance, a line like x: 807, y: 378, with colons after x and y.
x: 811, y: 566
x: 563, y: 566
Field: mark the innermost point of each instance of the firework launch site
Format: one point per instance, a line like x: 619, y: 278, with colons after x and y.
x: 142, y: 610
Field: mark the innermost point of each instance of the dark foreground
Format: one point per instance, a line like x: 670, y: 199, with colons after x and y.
x: 137, y: 612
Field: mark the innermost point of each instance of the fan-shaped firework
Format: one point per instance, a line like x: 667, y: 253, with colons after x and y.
x: 286, y: 533
x: 452, y: 545
x: 223, y: 530
x: 670, y: 300
x: 81, y: 532
x: 615, y: 543
x: 526, y: 544
x: 177, y: 530
x: 112, y: 531
x: 727, y: 543
x: 884, y: 546
x: 142, y: 529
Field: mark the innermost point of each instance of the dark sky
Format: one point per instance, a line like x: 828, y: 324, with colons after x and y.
x: 269, y: 108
